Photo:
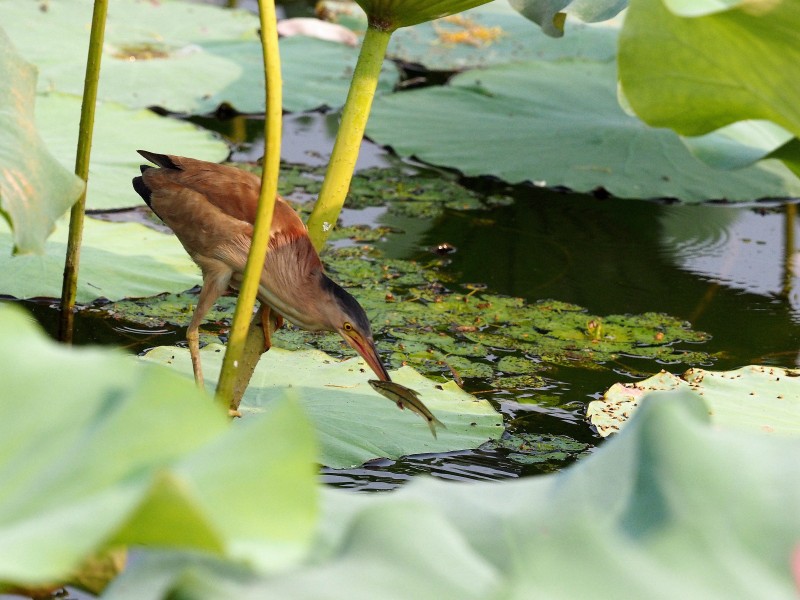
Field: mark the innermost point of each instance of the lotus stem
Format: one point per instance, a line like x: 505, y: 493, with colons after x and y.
x: 348, y: 139
x: 69, y: 287
x: 266, y: 203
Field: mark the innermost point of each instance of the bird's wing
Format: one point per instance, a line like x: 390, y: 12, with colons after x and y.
x: 200, y: 226
x: 232, y: 190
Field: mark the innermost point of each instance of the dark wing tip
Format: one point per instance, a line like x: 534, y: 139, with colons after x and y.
x: 162, y: 160
x: 142, y: 189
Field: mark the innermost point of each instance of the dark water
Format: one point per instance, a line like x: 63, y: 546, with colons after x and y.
x: 726, y: 269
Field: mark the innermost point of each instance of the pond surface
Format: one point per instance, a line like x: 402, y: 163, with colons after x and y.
x: 728, y: 270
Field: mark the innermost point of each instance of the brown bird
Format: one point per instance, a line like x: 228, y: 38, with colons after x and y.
x: 212, y: 208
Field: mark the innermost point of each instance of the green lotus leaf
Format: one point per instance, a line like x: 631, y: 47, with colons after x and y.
x: 133, y: 454
x: 389, y: 15
x: 696, y: 74
x: 739, y: 144
x: 488, y: 35
x: 759, y: 398
x: 184, y: 57
x: 649, y: 514
x: 118, y: 260
x: 495, y: 34
x: 354, y: 423
x: 558, y: 125
x: 696, y: 8
x: 35, y: 190
x: 118, y: 133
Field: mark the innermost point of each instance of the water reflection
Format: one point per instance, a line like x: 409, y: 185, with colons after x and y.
x: 740, y: 248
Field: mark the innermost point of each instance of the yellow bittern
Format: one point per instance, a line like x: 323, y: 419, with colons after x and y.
x: 212, y: 208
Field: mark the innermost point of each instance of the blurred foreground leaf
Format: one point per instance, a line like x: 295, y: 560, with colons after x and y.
x: 97, y: 451
x: 647, y: 515
x: 697, y: 67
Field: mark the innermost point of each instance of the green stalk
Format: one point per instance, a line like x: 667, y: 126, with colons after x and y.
x: 348, y: 139
x: 72, y: 262
x: 266, y: 204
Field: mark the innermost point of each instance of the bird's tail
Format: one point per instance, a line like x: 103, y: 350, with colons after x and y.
x: 141, y: 187
x: 162, y: 160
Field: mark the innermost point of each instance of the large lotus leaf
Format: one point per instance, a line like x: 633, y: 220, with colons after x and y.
x: 698, y: 73
x: 118, y: 133
x: 34, y: 189
x: 185, y: 57
x: 558, y: 124
x: 494, y: 34
x: 551, y: 15
x: 97, y: 449
x: 670, y: 508
x: 354, y: 423
x: 755, y: 397
x: 318, y: 73
x: 118, y: 260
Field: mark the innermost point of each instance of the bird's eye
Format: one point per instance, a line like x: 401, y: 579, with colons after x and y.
x: 348, y: 327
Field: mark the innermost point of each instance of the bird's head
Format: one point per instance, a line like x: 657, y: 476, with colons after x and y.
x: 346, y: 316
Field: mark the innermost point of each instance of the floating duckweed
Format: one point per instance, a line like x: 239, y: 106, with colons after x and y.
x: 444, y: 333
x: 518, y: 382
x: 531, y: 448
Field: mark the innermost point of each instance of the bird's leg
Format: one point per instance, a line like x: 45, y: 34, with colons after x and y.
x: 267, y: 315
x: 264, y: 313
x: 208, y: 295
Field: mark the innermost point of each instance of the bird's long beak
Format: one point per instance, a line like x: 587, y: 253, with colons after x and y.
x: 366, y: 348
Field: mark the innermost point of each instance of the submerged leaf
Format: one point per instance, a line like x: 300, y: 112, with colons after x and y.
x: 34, y: 189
